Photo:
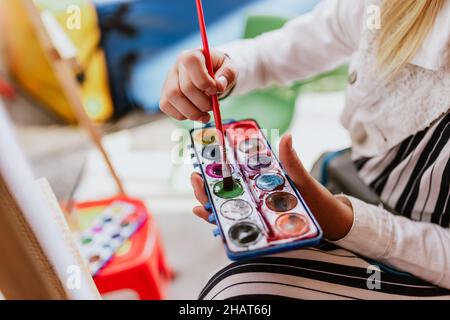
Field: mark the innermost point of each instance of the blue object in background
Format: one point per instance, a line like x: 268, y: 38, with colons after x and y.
x: 135, y: 31
x: 142, y: 39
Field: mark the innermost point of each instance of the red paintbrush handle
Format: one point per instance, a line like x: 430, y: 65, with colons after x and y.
x: 209, y: 65
x: 217, y: 115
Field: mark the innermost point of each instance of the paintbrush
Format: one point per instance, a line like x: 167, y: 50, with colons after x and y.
x: 228, y: 182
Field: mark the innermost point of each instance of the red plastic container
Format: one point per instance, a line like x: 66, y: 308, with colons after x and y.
x: 139, y: 268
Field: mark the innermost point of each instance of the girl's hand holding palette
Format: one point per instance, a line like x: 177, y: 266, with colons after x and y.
x: 264, y: 212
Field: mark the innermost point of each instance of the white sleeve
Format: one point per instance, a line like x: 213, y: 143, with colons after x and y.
x: 312, y: 43
x: 420, y: 248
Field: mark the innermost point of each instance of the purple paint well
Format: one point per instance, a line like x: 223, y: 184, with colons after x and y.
x: 259, y: 161
x: 214, y: 170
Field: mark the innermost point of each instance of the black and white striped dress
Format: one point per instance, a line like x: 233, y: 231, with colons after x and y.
x: 412, y: 180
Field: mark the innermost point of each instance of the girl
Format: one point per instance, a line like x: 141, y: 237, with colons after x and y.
x: 397, y: 114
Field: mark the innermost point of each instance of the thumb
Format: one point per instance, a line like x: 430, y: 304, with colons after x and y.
x: 316, y: 196
x: 226, y: 75
x: 335, y: 217
x: 292, y: 164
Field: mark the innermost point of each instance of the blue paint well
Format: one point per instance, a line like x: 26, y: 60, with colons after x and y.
x: 269, y: 181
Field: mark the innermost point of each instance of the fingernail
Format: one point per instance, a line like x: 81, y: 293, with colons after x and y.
x: 211, y: 91
x: 223, y: 82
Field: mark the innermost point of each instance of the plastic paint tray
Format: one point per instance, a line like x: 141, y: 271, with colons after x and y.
x: 108, y: 226
x: 264, y: 213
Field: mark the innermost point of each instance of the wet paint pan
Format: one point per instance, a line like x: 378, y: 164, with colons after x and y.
x: 237, y: 191
x: 244, y: 234
x: 236, y: 210
x: 253, y: 145
x: 242, y: 130
x: 281, y: 201
x: 292, y: 225
x: 206, y: 137
x: 270, y: 181
x: 214, y: 170
x: 259, y: 162
x: 212, y: 152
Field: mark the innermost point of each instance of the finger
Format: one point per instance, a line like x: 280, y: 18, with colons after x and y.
x: 201, y: 212
x: 166, y: 107
x: 199, y: 188
x: 311, y: 189
x: 226, y: 75
x: 291, y: 162
x: 195, y: 64
x: 164, y: 104
x: 318, y: 198
x: 334, y: 216
x: 183, y: 105
x: 195, y: 95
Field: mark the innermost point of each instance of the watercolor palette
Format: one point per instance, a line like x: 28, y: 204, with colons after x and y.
x: 264, y: 213
x: 108, y: 232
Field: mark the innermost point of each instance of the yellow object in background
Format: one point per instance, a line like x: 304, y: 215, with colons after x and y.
x: 28, y: 62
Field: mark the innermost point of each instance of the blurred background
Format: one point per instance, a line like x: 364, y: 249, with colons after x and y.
x: 119, y: 52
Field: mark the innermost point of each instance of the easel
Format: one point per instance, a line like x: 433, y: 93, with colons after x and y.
x: 27, y: 272
x: 63, y: 69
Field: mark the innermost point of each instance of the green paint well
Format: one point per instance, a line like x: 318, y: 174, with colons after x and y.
x: 237, y: 191
x: 86, y: 240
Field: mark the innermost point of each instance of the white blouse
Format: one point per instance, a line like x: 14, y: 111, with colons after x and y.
x: 379, y: 114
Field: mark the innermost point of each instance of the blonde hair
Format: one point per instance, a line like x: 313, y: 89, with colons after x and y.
x: 405, y: 25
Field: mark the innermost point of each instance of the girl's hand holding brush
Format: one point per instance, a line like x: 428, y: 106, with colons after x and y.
x: 187, y: 91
